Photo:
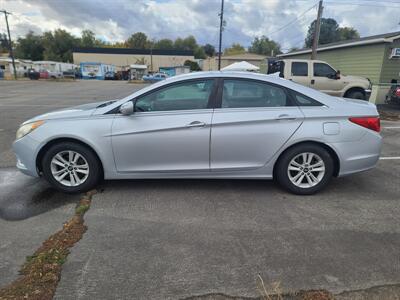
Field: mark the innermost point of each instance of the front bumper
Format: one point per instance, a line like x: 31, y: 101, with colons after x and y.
x: 26, y: 150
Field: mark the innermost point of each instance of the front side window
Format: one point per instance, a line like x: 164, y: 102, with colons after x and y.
x: 248, y: 93
x: 180, y: 96
x: 323, y: 70
x: 299, y: 69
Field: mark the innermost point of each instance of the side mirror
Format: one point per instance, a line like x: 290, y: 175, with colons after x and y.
x: 337, y: 75
x: 127, y: 108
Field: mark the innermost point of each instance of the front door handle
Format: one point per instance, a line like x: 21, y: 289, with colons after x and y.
x: 312, y: 81
x: 196, y: 124
x: 286, y: 117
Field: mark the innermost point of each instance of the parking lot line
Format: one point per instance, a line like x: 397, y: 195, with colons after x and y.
x: 391, y: 127
x: 390, y: 157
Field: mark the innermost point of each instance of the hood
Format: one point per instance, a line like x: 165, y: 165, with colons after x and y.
x: 80, y: 111
x: 355, y: 78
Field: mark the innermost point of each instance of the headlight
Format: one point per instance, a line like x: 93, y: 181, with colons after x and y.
x: 27, y: 128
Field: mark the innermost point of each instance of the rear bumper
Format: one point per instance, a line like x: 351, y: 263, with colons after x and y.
x: 360, y: 155
x: 25, y: 150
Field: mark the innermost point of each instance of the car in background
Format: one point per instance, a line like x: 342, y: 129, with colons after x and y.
x: 155, y: 77
x: 393, y: 96
x: 321, y: 76
x: 205, y: 125
x: 33, y: 74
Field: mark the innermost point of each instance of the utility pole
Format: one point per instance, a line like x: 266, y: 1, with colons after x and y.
x: 316, y: 31
x: 10, y: 42
x: 221, y: 23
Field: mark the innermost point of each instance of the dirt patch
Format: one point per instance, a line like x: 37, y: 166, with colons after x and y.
x: 41, y: 272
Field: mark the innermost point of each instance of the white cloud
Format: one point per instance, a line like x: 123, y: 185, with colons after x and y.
x: 115, y: 20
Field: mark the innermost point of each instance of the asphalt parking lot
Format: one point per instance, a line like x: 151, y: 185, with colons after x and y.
x: 174, y: 239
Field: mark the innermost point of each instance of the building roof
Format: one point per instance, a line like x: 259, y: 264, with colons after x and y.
x: 134, y: 51
x: 374, y: 39
x: 244, y: 56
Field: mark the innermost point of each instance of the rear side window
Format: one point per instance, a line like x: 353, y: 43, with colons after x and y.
x: 299, y: 69
x: 303, y: 100
x: 249, y: 93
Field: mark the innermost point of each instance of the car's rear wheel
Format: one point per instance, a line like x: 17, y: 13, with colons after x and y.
x: 305, y: 169
x: 71, y: 167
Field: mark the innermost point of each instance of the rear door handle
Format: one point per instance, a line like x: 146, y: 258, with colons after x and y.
x: 286, y: 117
x: 312, y: 81
x: 196, y: 124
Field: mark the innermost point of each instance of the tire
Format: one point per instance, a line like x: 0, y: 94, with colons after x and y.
x: 82, y: 172
x: 319, y: 179
x: 356, y: 95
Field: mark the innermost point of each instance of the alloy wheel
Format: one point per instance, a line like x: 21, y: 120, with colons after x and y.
x: 306, y: 170
x: 69, y: 168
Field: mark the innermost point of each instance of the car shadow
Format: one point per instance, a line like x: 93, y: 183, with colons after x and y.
x: 22, y: 197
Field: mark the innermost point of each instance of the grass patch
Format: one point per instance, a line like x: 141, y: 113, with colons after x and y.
x: 41, y: 271
x: 274, y: 292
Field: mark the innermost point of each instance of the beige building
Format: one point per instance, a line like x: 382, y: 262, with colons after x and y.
x: 122, y: 57
x: 211, y: 63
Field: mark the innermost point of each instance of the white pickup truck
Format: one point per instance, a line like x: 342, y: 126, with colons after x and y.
x: 320, y: 75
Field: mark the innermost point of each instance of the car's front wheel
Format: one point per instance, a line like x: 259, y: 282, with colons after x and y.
x: 71, y: 167
x: 305, y: 169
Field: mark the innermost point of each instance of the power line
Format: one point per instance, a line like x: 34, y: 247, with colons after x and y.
x: 294, y: 20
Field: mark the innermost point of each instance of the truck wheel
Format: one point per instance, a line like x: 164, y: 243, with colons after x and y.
x: 356, y: 95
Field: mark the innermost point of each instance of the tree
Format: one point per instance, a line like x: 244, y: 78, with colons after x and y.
x: 141, y: 61
x: 88, y: 38
x: 188, y: 43
x: 265, y: 46
x: 138, y: 40
x: 199, y: 53
x: 3, y: 43
x: 30, y: 47
x: 235, y: 49
x: 58, y: 45
x: 330, y: 32
x: 194, y: 66
x: 209, y: 50
x: 348, y: 33
x: 164, y: 44
x: 293, y: 49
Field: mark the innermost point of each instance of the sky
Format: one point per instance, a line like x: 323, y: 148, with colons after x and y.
x: 285, y: 21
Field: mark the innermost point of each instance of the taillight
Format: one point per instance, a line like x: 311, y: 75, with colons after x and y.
x: 372, y: 123
x: 397, y: 92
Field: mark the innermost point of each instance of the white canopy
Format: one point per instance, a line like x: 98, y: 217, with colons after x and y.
x: 241, y: 66
x: 139, y: 67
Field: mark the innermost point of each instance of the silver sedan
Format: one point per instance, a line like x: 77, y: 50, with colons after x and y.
x: 205, y: 125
